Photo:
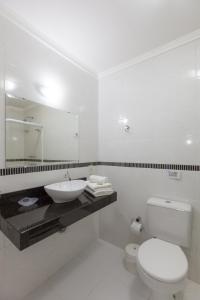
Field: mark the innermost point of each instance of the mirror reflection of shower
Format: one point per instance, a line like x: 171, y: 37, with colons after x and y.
x: 37, y: 134
x: 33, y: 142
x: 24, y: 135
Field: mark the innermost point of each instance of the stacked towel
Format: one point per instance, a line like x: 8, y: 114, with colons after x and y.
x: 99, y: 186
x: 98, y: 179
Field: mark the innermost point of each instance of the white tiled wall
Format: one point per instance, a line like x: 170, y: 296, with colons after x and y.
x: 2, y: 124
x: 29, y: 63
x: 160, y: 99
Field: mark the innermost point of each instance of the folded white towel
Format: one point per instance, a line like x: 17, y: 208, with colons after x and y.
x: 98, y: 179
x: 96, y: 187
x: 100, y: 193
x: 98, y: 190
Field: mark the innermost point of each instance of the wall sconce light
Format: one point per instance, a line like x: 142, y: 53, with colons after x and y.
x: 127, y: 128
x: 124, y: 123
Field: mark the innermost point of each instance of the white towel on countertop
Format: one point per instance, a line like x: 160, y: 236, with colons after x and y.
x: 96, y: 187
x: 98, y: 193
x: 98, y: 179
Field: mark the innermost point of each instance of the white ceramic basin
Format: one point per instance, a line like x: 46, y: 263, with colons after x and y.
x: 65, y: 191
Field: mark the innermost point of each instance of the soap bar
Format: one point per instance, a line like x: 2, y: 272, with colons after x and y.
x: 28, y: 201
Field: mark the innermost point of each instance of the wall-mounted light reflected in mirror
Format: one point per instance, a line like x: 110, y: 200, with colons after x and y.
x: 10, y: 85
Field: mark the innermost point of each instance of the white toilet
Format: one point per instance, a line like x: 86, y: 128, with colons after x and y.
x: 161, y: 263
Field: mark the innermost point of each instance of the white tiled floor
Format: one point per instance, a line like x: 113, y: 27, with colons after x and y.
x: 98, y: 274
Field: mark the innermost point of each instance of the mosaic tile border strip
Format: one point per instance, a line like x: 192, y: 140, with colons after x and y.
x: 38, y: 160
x: 160, y: 166
x: 44, y: 168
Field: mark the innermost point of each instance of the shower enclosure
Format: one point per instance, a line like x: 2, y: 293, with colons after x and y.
x: 24, y: 138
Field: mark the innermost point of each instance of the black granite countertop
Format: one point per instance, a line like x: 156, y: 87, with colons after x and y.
x: 25, y: 226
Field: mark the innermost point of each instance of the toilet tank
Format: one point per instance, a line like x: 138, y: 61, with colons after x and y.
x: 169, y: 220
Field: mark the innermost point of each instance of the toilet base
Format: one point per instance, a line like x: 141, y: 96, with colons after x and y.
x: 158, y: 296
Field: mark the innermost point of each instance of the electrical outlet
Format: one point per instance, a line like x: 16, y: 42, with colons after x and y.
x: 174, y: 174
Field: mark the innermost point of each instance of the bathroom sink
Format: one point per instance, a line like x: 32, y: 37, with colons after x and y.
x: 65, y: 191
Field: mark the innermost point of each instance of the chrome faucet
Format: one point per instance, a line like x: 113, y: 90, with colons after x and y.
x: 67, y: 175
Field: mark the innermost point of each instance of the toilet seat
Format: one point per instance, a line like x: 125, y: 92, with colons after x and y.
x: 162, y: 261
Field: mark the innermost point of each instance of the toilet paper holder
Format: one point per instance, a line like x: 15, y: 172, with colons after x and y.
x: 139, y: 227
x: 138, y: 220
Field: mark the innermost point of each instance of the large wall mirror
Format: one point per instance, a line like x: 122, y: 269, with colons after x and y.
x: 37, y: 134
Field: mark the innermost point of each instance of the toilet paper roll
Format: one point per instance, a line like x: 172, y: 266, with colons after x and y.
x: 136, y: 227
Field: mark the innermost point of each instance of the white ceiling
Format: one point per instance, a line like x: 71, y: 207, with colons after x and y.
x: 102, y: 34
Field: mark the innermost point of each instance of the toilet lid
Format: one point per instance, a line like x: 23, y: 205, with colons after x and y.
x: 162, y: 260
